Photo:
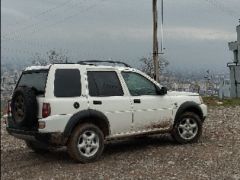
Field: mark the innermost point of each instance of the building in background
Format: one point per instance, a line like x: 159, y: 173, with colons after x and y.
x: 235, y: 66
x: 224, y: 89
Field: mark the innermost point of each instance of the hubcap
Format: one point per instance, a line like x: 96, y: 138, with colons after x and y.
x: 88, y: 143
x: 187, y: 128
x: 19, y: 109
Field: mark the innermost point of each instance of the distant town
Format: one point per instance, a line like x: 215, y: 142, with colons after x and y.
x: 207, y: 84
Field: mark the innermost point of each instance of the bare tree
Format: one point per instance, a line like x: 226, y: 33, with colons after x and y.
x: 52, y: 57
x: 148, y: 67
x: 56, y: 57
x: 38, y: 60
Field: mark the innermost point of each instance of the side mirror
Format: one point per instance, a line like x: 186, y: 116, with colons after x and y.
x: 162, y: 90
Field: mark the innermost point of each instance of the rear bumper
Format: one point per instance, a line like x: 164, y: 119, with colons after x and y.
x: 28, y: 135
x: 49, y: 138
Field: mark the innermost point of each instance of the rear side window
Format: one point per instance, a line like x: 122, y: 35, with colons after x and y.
x: 34, y: 79
x: 67, y: 83
x: 104, y: 83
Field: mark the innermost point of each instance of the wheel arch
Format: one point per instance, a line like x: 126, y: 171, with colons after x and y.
x: 88, y: 116
x: 189, y: 106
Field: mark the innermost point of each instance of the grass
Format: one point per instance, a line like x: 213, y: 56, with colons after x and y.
x: 215, y: 101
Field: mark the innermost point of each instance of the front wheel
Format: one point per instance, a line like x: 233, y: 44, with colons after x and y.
x: 86, y: 143
x: 188, y: 128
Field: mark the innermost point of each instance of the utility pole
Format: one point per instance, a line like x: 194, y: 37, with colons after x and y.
x: 155, y: 41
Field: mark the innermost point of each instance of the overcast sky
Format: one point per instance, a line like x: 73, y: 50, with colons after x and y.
x: 196, y: 32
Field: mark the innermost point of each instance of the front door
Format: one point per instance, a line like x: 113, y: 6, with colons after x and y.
x: 150, y: 110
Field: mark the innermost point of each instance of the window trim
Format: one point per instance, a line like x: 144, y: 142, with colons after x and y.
x: 119, y: 80
x: 141, y: 76
x: 79, y: 81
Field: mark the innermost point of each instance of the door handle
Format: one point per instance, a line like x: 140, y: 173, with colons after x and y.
x: 137, y: 101
x: 97, y: 102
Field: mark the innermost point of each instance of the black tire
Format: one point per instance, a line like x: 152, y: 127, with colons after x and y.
x: 37, y: 147
x: 24, y: 107
x: 192, y: 131
x: 77, y: 138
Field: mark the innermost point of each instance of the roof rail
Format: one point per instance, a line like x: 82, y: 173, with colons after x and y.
x: 64, y: 63
x: 91, y: 62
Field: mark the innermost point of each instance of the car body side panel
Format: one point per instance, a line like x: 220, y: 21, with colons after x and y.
x: 55, y: 123
x: 187, y: 102
x: 152, y: 113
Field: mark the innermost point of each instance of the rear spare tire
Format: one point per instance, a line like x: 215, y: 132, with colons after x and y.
x: 24, y: 107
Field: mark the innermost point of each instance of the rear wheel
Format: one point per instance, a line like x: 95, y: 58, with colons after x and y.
x: 188, y: 128
x: 86, y: 143
x: 37, y: 147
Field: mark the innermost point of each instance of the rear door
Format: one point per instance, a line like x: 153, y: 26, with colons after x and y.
x: 107, y: 96
x: 66, y: 90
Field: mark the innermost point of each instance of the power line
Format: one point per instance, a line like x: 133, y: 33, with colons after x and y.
x: 52, y: 9
x: 223, y: 8
x: 47, y: 11
x: 38, y: 44
x: 18, y: 51
x: 58, y: 22
x: 76, y: 5
x: 55, y: 23
x: 32, y: 53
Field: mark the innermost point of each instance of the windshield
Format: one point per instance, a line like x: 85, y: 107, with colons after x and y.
x: 34, y: 79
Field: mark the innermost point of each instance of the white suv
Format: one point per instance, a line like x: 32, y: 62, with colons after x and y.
x: 84, y: 105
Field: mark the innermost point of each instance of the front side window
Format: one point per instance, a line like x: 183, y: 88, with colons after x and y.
x: 104, y: 83
x: 67, y: 83
x: 138, y: 85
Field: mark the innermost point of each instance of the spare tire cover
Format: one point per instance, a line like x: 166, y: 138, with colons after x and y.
x: 24, y: 107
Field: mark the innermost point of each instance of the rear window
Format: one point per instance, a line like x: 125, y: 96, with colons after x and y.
x: 34, y: 79
x: 67, y: 83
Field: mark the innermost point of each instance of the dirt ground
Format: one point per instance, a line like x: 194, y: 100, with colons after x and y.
x: 216, y: 156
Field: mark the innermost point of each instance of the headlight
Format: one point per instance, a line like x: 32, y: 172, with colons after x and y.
x: 201, y: 100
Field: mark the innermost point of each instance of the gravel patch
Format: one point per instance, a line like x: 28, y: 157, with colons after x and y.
x: 215, y: 156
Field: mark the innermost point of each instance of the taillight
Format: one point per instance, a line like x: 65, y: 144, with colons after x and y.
x: 46, y: 110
